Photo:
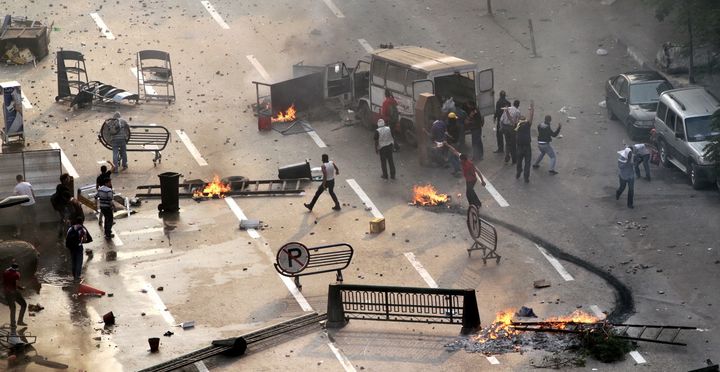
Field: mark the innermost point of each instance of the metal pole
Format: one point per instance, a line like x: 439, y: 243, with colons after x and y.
x: 489, y: 7
x: 532, y: 37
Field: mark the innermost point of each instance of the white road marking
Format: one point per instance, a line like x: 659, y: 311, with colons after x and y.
x: 193, y: 150
x: 25, y: 101
x: 492, y: 360
x: 201, y: 366
x: 142, y: 231
x: 495, y: 194
x: 216, y: 16
x: 116, y: 239
x: 258, y: 67
x: 149, y: 90
x: 334, y: 9
x: 366, y: 45
x: 65, y: 161
x: 607, y: 2
x: 103, y: 27
x: 556, y: 264
x: 638, y: 358
x: 126, y: 255
x: 159, y: 305
x: 296, y: 293
x: 344, y: 361
x: 317, y: 139
x: 421, y: 270
x: 598, y: 313
x: 363, y: 196
x: 240, y: 216
x: 1, y: 145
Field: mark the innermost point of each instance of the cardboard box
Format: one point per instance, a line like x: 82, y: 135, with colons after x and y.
x: 377, y: 225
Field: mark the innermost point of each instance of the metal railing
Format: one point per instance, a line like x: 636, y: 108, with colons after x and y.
x: 402, y: 304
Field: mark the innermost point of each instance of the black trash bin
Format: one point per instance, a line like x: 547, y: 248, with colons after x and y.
x: 294, y: 171
x: 169, y: 192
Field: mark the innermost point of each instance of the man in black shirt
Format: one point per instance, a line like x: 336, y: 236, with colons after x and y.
x: 523, y: 143
x: 545, y: 135
x: 105, y: 174
x: 501, y: 103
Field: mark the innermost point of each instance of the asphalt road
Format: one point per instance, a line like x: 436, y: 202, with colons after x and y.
x: 222, y: 277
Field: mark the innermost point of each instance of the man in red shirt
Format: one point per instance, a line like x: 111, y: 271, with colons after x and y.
x: 11, y: 276
x: 391, y: 115
x: 470, y: 172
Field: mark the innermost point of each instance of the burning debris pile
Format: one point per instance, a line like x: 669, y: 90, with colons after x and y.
x: 287, y: 116
x: 427, y: 195
x: 506, y: 336
x: 215, y: 189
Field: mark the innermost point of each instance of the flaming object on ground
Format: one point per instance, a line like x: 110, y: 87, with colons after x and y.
x: 214, y: 189
x: 428, y: 195
x: 287, y: 115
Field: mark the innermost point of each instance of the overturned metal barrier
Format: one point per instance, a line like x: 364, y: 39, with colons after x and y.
x: 402, y: 304
x: 236, y: 346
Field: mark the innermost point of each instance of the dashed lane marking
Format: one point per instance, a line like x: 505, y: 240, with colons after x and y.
x: 334, y: 9
x: 65, y: 161
x: 363, y: 196
x: 142, y: 231
x: 193, y: 150
x: 116, y: 239
x: 421, y: 270
x: 241, y: 216
x: 258, y: 67
x: 598, y: 313
x: 317, y: 139
x: 495, y: 194
x: 201, y: 366
x: 556, y: 264
x: 159, y: 305
x: 103, y: 27
x: 149, y: 90
x: 368, y: 48
x: 216, y: 16
x: 25, y: 101
x: 492, y: 360
x: 344, y: 361
x: 638, y: 358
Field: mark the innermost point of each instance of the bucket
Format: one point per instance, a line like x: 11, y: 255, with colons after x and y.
x: 294, y: 171
x: 264, y: 120
x: 169, y: 192
x: 154, y: 344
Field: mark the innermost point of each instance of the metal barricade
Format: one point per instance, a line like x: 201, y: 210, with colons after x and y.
x: 484, y: 236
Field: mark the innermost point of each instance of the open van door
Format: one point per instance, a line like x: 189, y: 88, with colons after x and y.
x: 361, y: 79
x: 422, y: 86
x: 484, y: 82
x: 337, y: 79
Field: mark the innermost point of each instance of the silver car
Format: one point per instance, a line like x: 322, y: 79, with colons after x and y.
x: 632, y: 99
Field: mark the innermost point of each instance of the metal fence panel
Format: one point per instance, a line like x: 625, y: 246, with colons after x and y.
x: 42, y: 168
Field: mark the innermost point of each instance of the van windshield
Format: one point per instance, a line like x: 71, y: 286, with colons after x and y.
x: 647, y: 92
x: 700, y: 129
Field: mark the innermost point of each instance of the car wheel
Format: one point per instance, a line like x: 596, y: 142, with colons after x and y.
x: 695, y: 180
x: 365, y: 116
x: 664, y: 154
x: 611, y: 115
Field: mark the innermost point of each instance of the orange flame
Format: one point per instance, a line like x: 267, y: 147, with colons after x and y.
x: 577, y: 316
x: 427, y: 195
x: 288, y: 115
x: 214, y: 189
x: 501, y: 326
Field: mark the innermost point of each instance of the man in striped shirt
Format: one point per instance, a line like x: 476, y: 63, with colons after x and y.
x: 104, y: 198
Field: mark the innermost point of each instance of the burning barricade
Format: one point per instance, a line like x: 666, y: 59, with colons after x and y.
x: 215, y: 190
x: 427, y: 195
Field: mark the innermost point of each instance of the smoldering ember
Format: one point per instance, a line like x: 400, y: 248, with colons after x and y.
x: 359, y: 185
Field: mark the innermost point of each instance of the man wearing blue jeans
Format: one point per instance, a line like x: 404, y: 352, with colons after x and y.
x: 545, y: 135
x: 120, y: 132
x: 626, y: 175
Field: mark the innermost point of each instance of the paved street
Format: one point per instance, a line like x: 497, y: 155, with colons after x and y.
x: 565, y: 228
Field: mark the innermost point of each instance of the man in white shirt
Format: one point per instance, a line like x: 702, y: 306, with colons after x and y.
x: 384, y: 146
x: 27, y: 209
x: 329, y: 170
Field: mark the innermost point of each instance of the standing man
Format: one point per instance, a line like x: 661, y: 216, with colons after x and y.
x: 384, y: 145
x: 524, y: 145
x: 545, y: 134
x: 105, y: 173
x: 474, y: 121
x: 27, y: 209
x: 642, y: 155
x: 120, y: 132
x: 470, y: 172
x: 391, y: 115
x: 77, y: 235
x: 626, y: 175
x: 11, y: 277
x: 502, y: 102
x: 329, y: 171
x: 508, y: 122
x: 105, y: 203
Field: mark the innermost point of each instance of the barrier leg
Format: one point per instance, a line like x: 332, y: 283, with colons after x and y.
x: 471, y: 315
x: 335, y: 311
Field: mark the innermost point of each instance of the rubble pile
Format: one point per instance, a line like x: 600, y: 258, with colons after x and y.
x: 519, y: 342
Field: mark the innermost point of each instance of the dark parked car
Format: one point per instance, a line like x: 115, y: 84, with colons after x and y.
x: 632, y: 99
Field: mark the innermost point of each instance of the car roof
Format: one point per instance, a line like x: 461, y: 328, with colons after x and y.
x: 691, y: 101
x: 643, y: 76
x: 423, y: 59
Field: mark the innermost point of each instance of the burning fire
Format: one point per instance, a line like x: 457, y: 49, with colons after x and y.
x: 577, y: 316
x: 288, y: 115
x: 427, y: 195
x: 501, y: 327
x: 214, y: 189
